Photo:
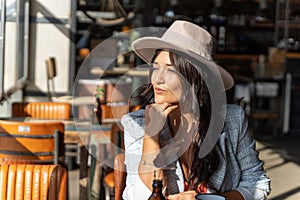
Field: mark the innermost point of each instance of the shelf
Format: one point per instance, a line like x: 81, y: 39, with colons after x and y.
x: 251, y: 56
x: 236, y: 56
x: 292, y: 55
x: 256, y: 26
x: 119, y: 71
x: 294, y: 24
x: 264, y: 115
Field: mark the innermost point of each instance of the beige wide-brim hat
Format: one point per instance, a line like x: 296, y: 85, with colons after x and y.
x: 188, y: 40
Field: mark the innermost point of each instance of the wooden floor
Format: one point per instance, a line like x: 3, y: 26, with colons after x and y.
x: 282, y: 164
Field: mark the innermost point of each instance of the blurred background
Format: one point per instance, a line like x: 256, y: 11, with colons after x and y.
x: 48, y: 52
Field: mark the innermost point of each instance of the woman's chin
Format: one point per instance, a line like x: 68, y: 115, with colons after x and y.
x: 161, y: 101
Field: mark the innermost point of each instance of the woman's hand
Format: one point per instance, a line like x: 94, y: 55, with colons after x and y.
x: 188, y: 195
x: 156, y: 116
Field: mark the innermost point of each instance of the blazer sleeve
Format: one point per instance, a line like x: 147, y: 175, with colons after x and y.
x: 254, y: 184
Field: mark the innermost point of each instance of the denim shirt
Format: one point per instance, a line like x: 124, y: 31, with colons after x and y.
x: 239, y: 168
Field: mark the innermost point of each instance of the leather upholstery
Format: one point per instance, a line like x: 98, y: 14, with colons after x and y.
x: 116, y: 180
x: 31, y: 142
x: 106, y: 112
x: 42, y: 110
x: 33, y: 182
x: 119, y: 175
x: 113, y: 112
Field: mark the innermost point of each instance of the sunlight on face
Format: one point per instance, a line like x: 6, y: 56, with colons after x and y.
x: 165, y: 80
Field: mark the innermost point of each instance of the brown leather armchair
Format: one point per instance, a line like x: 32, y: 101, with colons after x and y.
x: 31, y: 142
x: 42, y: 110
x: 33, y: 182
x: 119, y: 175
x: 116, y: 180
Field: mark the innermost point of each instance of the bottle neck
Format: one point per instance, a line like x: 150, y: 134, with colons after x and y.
x: 157, y: 186
x: 157, y: 190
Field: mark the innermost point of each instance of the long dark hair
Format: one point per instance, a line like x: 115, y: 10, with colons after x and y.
x: 201, y: 169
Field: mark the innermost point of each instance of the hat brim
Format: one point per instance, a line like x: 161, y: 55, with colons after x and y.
x: 145, y: 48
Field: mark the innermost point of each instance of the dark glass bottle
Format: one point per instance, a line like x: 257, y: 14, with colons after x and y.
x: 157, y: 190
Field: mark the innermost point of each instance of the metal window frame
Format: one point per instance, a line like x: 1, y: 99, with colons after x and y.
x: 22, y: 54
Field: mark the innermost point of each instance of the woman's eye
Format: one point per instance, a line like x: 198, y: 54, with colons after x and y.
x: 172, y: 70
x: 154, y: 67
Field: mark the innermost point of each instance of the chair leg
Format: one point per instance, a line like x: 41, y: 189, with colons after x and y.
x: 109, y: 192
x: 83, y: 168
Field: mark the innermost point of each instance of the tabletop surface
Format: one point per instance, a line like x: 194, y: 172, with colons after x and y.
x: 77, y: 131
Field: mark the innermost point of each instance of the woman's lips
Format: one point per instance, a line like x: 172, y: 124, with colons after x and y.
x: 159, y: 90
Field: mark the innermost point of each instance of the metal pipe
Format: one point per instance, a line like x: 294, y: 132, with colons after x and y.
x: 276, y: 23
x: 72, y: 36
x: 287, y: 103
x: 2, y: 46
x: 25, y: 42
x: 22, y: 47
x: 56, y: 147
x: 22, y: 25
x: 19, y: 41
x: 286, y: 24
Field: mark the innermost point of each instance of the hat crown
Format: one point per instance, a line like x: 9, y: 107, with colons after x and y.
x: 188, y: 40
x: 190, y: 37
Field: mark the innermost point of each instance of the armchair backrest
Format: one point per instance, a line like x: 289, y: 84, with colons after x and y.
x: 42, y: 110
x: 31, y: 142
x: 119, y: 175
x: 33, y: 182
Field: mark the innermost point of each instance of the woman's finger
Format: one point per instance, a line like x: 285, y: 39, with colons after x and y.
x: 188, y: 195
x: 169, y: 109
x: 165, y: 105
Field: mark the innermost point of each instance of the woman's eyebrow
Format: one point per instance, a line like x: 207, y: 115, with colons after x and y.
x: 167, y: 65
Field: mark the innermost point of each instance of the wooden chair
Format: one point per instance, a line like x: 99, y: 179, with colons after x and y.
x: 116, y: 180
x: 42, y: 110
x: 33, y: 182
x: 31, y: 142
x: 119, y: 176
x: 111, y: 114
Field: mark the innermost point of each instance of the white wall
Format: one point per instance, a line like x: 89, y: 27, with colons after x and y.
x: 46, y: 40
x: 50, y: 40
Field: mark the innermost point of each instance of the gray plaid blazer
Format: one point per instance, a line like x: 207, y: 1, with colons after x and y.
x: 239, y: 169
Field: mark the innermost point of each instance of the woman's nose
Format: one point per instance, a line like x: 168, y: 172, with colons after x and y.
x: 158, y: 76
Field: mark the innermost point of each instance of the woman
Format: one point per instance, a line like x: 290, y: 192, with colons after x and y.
x: 178, y: 136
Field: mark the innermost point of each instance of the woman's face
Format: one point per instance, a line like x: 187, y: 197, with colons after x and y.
x: 165, y: 80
